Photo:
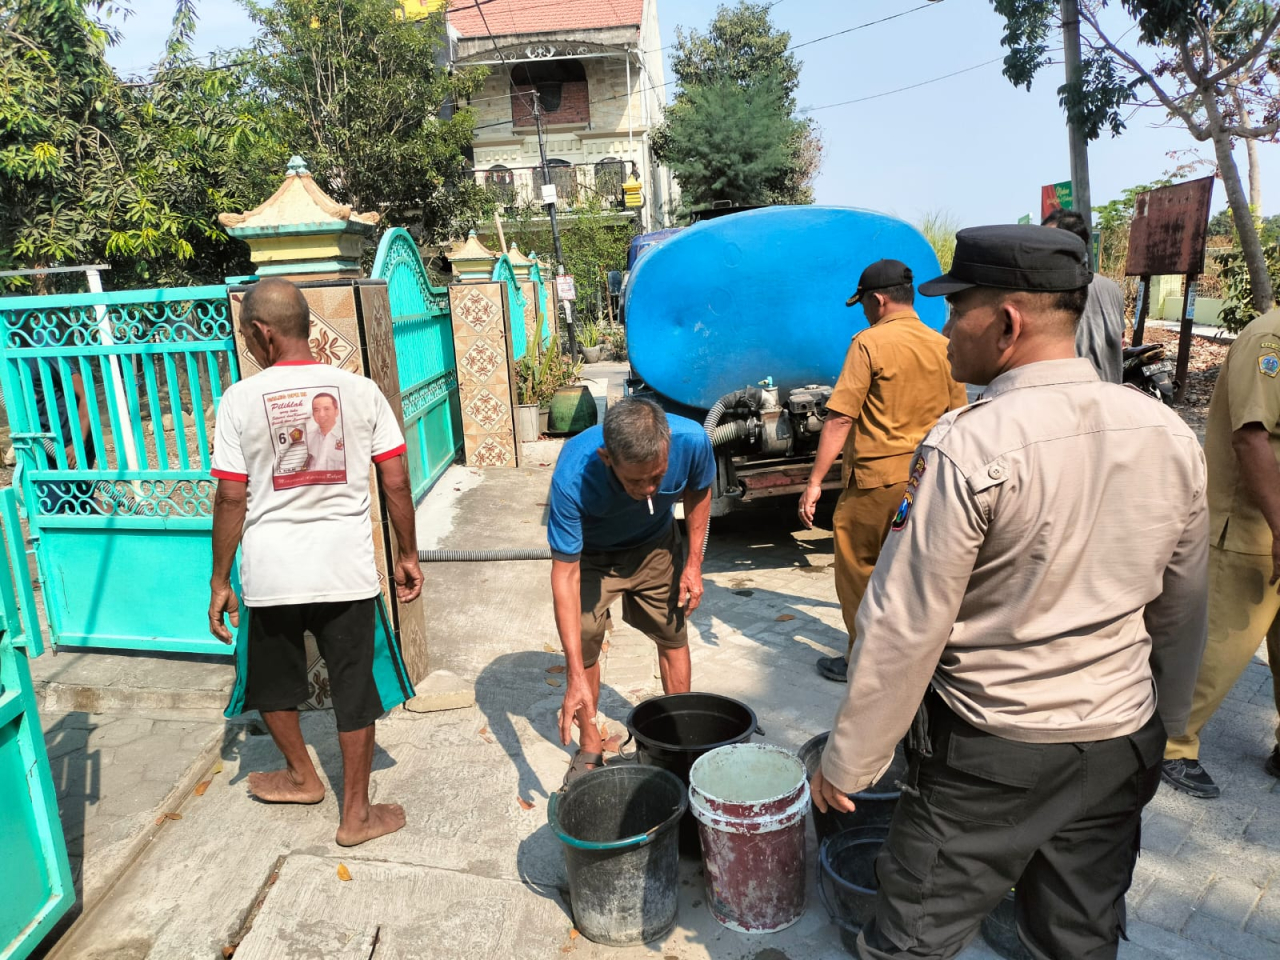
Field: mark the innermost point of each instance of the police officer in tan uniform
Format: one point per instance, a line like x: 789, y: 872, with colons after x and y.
x: 1047, y: 609
x: 1242, y: 447
x: 894, y: 386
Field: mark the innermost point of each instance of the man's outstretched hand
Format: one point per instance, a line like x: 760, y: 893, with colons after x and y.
x: 690, y: 588
x: 577, y: 696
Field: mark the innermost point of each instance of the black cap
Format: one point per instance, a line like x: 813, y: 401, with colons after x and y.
x: 1014, y: 257
x: 881, y: 274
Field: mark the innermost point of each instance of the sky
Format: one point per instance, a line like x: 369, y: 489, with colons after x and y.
x: 969, y: 146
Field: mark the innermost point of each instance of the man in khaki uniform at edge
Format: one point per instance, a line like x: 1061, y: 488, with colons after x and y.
x: 894, y: 386
x: 1035, y: 620
x: 1242, y: 447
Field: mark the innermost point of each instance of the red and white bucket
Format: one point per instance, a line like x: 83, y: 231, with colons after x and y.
x: 750, y: 800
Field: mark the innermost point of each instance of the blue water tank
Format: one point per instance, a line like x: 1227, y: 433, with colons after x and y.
x: 730, y: 301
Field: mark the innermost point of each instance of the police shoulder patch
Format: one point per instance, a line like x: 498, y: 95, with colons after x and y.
x: 917, y: 471
x: 904, y: 510
x: 1269, y: 364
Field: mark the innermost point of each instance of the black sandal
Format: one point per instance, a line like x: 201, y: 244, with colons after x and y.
x: 578, y: 766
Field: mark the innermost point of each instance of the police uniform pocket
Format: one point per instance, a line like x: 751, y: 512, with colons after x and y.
x: 982, y: 778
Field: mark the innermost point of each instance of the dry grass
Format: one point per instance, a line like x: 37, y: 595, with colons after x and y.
x: 939, y: 228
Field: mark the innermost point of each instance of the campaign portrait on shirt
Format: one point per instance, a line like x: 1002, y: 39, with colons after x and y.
x: 306, y: 437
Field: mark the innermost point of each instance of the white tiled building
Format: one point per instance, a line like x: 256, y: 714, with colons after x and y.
x: 597, y: 68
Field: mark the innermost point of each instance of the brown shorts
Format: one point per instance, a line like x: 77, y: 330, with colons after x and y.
x: 647, y: 578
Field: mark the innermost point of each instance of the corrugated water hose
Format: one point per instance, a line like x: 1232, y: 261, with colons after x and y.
x: 484, y: 556
x: 728, y: 432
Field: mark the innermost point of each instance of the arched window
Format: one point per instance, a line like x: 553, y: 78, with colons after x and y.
x: 562, y: 175
x: 611, y: 174
x: 500, y: 181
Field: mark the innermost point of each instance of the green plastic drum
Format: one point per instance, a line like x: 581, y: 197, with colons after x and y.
x: 573, y: 409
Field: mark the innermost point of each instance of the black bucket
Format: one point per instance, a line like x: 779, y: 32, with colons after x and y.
x: 618, y: 827
x: 874, y: 806
x: 1000, y: 930
x: 673, y: 731
x: 847, y: 879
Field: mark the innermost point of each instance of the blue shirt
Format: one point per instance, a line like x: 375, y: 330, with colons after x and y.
x: 592, y: 512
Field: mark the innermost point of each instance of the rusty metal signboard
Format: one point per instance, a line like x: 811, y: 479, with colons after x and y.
x: 1168, y: 230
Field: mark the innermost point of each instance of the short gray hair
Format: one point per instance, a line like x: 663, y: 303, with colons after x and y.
x: 636, y: 431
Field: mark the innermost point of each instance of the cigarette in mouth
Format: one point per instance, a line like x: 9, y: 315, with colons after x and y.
x: 650, y: 500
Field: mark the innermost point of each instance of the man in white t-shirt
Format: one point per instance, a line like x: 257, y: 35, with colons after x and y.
x: 302, y: 523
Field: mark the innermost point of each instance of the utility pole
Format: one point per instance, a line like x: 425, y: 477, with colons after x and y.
x: 1080, y: 200
x: 555, y: 227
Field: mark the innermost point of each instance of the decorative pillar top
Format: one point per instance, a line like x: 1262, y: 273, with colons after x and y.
x: 472, y: 260
x: 520, y: 264
x: 301, y: 231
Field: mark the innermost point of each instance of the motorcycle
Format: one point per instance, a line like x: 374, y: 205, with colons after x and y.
x: 1146, y: 368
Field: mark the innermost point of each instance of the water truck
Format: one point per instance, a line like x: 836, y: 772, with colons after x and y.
x: 740, y: 323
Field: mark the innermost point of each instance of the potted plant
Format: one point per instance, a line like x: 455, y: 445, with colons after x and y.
x: 589, y: 340
x: 539, y: 377
x: 615, y: 342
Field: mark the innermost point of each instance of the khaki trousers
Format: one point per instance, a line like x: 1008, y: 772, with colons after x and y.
x: 861, y: 523
x: 1242, y: 609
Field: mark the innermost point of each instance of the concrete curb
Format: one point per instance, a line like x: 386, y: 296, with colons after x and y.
x: 196, y: 772
x: 55, y: 697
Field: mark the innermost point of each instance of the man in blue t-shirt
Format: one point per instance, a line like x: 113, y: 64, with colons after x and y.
x: 613, y: 534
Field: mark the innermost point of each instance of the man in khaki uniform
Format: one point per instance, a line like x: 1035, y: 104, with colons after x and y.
x: 1051, y: 608
x: 895, y: 384
x: 1242, y: 447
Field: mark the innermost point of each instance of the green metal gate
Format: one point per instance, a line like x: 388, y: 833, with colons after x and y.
x: 35, y: 881
x: 423, y: 333
x: 116, y: 489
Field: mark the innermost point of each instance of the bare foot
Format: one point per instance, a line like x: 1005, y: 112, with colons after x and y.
x: 383, y: 818
x: 278, y: 786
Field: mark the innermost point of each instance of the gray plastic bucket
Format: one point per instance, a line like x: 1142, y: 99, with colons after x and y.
x: 618, y: 825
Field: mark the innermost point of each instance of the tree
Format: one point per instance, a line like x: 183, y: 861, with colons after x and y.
x: 731, y: 142
x: 1212, y: 65
x: 95, y: 169
x: 741, y: 61
x: 359, y: 91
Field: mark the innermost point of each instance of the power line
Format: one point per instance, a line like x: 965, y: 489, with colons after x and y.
x: 861, y: 26
x: 922, y: 83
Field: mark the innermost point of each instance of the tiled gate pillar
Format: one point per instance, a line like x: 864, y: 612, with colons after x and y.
x: 520, y: 266
x: 350, y: 328
x: 486, y: 374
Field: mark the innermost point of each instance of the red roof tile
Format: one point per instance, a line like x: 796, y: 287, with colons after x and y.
x: 514, y: 17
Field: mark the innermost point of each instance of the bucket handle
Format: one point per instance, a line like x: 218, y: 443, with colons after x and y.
x: 825, y: 896
x: 621, y: 754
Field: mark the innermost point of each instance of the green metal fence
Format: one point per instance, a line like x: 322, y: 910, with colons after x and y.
x: 110, y: 399
x: 423, y: 334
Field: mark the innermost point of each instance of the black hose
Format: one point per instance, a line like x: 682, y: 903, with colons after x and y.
x: 484, y: 556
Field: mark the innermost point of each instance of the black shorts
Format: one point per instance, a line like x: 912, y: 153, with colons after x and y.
x: 366, y: 673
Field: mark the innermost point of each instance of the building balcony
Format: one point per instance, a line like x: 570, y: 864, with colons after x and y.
x: 576, y: 184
